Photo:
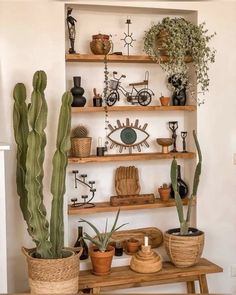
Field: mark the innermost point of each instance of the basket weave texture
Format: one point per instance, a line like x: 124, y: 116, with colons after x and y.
x: 53, y: 276
x: 184, y: 251
x: 81, y: 147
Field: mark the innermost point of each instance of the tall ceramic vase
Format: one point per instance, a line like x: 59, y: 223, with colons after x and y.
x: 77, y: 91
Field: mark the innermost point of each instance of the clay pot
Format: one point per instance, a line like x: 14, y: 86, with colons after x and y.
x: 165, y: 100
x: 132, y: 246
x: 164, y: 193
x: 100, y: 44
x: 101, y: 261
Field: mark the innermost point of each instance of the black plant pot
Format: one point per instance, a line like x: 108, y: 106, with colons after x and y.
x: 77, y: 91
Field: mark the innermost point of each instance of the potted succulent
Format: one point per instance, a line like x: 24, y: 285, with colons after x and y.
x: 101, y: 253
x: 181, y: 41
x: 164, y: 192
x: 184, y: 245
x: 52, y: 268
x: 80, y: 142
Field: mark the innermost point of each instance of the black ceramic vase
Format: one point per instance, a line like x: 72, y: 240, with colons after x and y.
x: 179, y: 96
x: 181, y: 186
x: 77, y: 91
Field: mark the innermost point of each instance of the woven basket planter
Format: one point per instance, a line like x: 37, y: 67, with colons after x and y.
x: 80, y: 147
x: 53, y: 276
x: 184, y: 251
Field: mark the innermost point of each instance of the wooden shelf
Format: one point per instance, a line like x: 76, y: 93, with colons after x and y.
x: 115, y: 58
x: 105, y: 207
x: 138, y: 108
x: 130, y: 157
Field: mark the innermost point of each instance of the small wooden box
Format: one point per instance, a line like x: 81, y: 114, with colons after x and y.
x: 132, y: 200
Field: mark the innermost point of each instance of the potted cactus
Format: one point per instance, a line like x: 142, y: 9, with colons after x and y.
x: 101, y: 253
x: 52, y: 268
x: 184, y: 245
x: 80, y: 142
x: 164, y: 192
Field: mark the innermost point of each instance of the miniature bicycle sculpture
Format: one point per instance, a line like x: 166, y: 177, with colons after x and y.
x: 142, y: 97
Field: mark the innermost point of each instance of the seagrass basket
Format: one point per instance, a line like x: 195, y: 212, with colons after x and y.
x: 53, y: 276
x: 81, y: 147
x: 184, y: 251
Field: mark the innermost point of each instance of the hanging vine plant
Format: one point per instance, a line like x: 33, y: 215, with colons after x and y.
x: 180, y: 39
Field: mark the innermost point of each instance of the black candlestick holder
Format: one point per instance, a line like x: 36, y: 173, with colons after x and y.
x: 173, y: 125
x: 184, y: 135
x: 86, y: 200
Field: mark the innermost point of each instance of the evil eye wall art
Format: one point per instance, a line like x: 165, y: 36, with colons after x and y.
x: 128, y: 135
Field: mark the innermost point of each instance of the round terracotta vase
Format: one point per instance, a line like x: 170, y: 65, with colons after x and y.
x: 53, y: 276
x: 101, y: 261
x: 184, y: 251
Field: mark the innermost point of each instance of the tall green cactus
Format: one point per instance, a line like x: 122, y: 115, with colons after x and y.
x: 29, y: 125
x: 59, y: 175
x: 184, y: 222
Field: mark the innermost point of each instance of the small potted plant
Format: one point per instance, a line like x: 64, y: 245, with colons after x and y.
x: 132, y: 245
x: 80, y: 142
x: 184, y: 245
x: 173, y: 41
x: 164, y: 100
x: 164, y: 192
x: 101, y: 253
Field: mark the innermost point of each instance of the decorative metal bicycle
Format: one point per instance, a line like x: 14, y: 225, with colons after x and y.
x: 142, y: 97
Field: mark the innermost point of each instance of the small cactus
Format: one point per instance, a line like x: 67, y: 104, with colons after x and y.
x: 80, y: 132
x: 165, y: 186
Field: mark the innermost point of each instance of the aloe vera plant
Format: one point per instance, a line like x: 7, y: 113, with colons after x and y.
x: 102, y: 239
x: 29, y: 125
x: 184, y: 221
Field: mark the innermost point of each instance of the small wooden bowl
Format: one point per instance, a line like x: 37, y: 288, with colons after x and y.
x: 165, y: 143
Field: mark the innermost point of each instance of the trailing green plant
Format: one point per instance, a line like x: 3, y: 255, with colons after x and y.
x: 102, y: 240
x: 184, y: 222
x: 179, y: 38
x: 29, y: 125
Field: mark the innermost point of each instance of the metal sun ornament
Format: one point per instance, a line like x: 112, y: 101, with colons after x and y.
x: 128, y: 39
x: 128, y: 135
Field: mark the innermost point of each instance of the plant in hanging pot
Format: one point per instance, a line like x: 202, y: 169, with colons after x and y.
x: 101, y: 253
x: 184, y: 245
x: 174, y: 41
x: 52, y: 268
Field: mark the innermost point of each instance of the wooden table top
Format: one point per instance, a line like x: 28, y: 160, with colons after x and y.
x: 169, y: 274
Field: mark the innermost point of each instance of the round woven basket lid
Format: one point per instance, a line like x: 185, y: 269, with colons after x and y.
x: 101, y: 36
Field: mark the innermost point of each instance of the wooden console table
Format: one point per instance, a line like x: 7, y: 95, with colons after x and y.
x: 123, y: 277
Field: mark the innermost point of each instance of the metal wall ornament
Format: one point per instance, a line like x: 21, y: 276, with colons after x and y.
x: 86, y: 203
x: 128, y: 39
x: 173, y: 125
x: 184, y: 135
x: 71, y: 29
x: 128, y: 135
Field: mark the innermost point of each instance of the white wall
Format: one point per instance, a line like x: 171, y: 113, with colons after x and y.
x: 32, y: 37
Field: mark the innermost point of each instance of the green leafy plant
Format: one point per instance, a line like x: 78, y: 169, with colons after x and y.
x: 184, y: 222
x: 29, y: 125
x: 102, y: 240
x: 178, y: 38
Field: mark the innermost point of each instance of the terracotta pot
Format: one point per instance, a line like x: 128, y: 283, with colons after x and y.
x: 132, y: 246
x: 164, y: 193
x: 184, y: 251
x: 165, y: 100
x: 101, y: 261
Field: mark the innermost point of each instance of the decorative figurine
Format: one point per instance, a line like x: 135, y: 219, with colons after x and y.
x: 86, y: 200
x: 97, y: 99
x: 184, y: 135
x: 128, y: 39
x: 71, y: 29
x: 173, y: 125
x: 142, y: 96
x: 179, y: 96
x: 128, y: 135
x: 77, y: 91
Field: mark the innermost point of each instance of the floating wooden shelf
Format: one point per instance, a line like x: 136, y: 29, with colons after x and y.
x: 105, y: 207
x: 130, y: 157
x: 189, y: 108
x: 115, y: 58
